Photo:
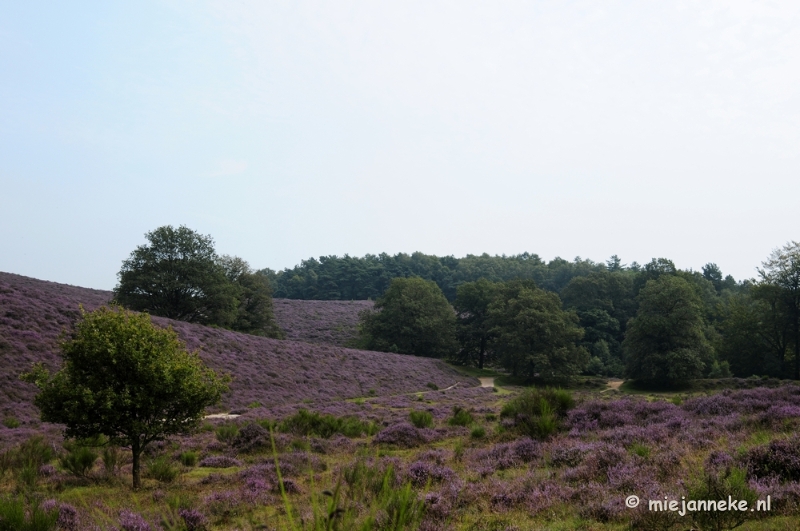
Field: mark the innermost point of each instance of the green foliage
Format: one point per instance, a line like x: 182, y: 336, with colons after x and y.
x: 719, y: 485
x: 312, y: 423
x: 227, y: 432
x: 432, y: 386
x: 478, y: 432
x: 34, y: 452
x: 473, y: 327
x: 665, y: 343
x: 177, y: 276
x: 537, y: 412
x: 79, y: 459
x: 412, y: 317
x: 128, y: 380
x: 534, y: 336
x: 421, y: 419
x: 642, y: 450
x: 161, y: 469
x: 15, y: 516
x: 11, y: 422
x: 461, y: 417
x: 254, y: 314
x: 111, y: 458
x: 720, y: 370
x: 189, y: 458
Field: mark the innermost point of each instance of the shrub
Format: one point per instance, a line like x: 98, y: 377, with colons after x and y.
x: 189, y: 458
x: 461, y: 417
x: 640, y: 449
x: 402, y: 434
x: 421, y: 419
x: 227, y: 432
x: 780, y: 458
x: 78, y: 460
x: 193, y: 520
x: 11, y: 422
x: 34, y: 452
x: 110, y: 459
x: 161, y: 469
x: 313, y: 424
x: 537, y: 412
x: 478, y: 432
x: 432, y: 386
x: 719, y: 484
x: 14, y: 516
x: 130, y: 521
x: 219, y: 461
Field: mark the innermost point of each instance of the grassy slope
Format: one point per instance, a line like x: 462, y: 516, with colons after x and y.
x: 34, y: 312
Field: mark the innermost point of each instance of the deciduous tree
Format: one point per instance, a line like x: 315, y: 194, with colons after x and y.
x: 127, y: 379
x: 665, y: 343
x: 412, y: 317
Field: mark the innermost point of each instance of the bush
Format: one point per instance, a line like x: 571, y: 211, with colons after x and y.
x: 189, y: 458
x: 110, y: 460
x: 219, y: 461
x: 478, y: 432
x: 227, y: 432
x: 11, y: 422
x: 421, y: 419
x: 403, y: 435
x: 14, y: 516
x: 461, y: 417
x: 34, y: 452
x: 537, y: 412
x: 161, y: 469
x: 779, y: 458
x: 313, y: 424
x: 78, y: 460
x: 719, y: 485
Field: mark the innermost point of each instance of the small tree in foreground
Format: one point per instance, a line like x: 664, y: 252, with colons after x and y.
x: 126, y: 379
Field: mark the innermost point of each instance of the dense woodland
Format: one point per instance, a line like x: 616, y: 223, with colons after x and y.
x: 745, y: 328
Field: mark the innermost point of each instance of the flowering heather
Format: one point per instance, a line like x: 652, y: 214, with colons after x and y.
x: 322, y: 322
x: 403, y: 435
x: 130, y: 521
x: 219, y: 461
x: 266, y: 371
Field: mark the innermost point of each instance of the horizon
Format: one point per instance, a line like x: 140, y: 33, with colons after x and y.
x: 316, y: 129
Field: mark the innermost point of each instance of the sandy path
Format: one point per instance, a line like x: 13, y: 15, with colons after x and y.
x: 487, y: 382
x: 614, y: 383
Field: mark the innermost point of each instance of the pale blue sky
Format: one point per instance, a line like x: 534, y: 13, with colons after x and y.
x: 296, y: 129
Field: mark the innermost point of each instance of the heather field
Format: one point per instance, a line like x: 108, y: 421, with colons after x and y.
x: 323, y: 322
x: 335, y: 438
x: 265, y: 371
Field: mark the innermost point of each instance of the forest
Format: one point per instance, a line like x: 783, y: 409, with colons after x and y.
x: 743, y: 328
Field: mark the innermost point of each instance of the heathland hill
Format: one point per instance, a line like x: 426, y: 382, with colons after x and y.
x: 267, y: 371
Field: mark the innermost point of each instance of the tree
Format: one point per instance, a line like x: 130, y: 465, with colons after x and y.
x: 782, y: 271
x: 535, y: 336
x: 412, y: 317
x: 473, y: 327
x: 254, y: 314
x: 665, y: 343
x: 126, y: 379
x: 177, y: 276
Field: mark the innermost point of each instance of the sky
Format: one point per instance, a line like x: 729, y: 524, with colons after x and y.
x: 287, y: 130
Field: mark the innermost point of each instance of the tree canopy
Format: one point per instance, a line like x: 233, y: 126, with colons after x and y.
x: 665, y: 343
x: 534, y: 335
x: 412, y: 317
x: 126, y: 379
x: 179, y: 275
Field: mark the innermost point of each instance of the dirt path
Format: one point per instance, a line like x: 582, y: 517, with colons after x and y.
x: 487, y: 382
x: 614, y: 383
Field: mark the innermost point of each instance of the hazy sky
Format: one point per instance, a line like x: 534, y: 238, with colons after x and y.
x: 295, y: 129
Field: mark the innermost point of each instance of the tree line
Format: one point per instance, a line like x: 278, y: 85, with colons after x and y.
x: 653, y: 322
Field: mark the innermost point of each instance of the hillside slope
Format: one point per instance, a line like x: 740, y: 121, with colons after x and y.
x: 323, y: 322
x: 271, y: 372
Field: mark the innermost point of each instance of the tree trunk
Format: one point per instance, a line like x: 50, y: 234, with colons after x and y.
x: 137, y: 451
